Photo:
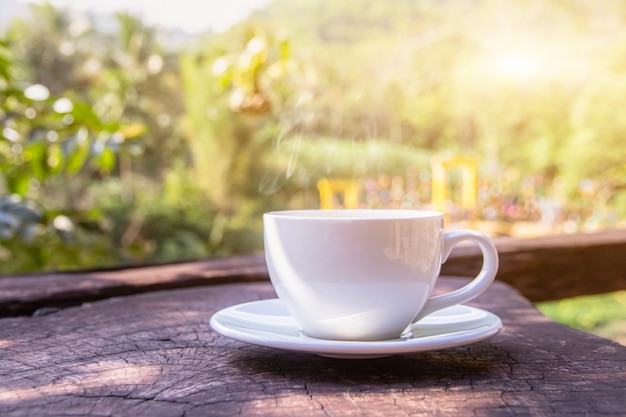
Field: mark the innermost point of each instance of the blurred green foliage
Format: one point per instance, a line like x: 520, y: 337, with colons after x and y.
x: 142, y: 150
x: 45, y: 141
x: 603, y: 314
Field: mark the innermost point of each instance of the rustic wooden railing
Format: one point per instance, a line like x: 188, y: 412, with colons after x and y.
x: 554, y: 267
x: 546, y: 268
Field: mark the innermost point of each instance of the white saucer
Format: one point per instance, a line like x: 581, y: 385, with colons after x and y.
x: 269, y: 323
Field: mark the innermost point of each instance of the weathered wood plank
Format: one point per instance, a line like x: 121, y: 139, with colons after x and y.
x: 554, y: 267
x: 156, y: 355
x: 542, y: 269
x: 24, y: 294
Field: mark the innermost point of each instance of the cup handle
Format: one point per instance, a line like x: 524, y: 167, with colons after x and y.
x: 479, y: 284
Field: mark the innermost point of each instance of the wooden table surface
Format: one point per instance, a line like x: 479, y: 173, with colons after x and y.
x: 155, y: 354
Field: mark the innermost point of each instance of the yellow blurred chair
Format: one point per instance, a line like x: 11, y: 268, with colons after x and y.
x: 328, y: 188
x: 440, y: 166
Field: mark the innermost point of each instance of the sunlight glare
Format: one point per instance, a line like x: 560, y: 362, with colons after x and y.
x: 517, y: 64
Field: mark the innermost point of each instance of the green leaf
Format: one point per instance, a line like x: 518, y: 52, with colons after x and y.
x: 76, y: 156
x: 18, y: 184
x: 37, y: 154
x: 84, y: 114
x: 4, y: 68
x: 106, y: 160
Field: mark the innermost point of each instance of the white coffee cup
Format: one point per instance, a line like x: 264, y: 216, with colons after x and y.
x: 365, y: 274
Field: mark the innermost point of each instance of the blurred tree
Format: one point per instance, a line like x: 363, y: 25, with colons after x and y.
x: 232, y: 98
x: 127, y: 75
x: 45, y: 141
x: 139, y: 84
x: 515, y: 84
x: 529, y: 88
x: 54, y: 48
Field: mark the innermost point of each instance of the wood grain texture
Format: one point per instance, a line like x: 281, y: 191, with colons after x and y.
x: 542, y: 269
x: 155, y: 355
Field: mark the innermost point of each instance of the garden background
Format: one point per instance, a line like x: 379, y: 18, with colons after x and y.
x: 125, y: 143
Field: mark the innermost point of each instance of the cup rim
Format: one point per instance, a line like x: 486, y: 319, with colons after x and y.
x: 356, y: 214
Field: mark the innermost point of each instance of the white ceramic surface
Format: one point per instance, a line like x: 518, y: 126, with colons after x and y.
x: 365, y: 274
x: 269, y: 323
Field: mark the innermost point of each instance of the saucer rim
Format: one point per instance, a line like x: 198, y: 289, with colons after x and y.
x: 355, y: 349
